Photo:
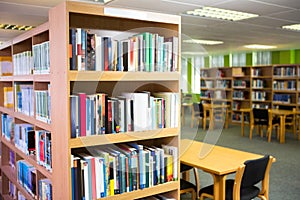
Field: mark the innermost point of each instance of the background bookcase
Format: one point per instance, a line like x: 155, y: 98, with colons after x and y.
x: 65, y: 82
x: 262, y: 86
x: 9, y: 152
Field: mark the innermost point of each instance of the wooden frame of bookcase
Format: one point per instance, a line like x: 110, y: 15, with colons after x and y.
x: 34, y: 36
x: 90, y: 16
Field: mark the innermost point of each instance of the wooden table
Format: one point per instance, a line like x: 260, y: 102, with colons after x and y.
x: 282, y: 114
x: 209, y: 108
x: 219, y: 162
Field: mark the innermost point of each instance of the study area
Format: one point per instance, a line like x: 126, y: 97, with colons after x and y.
x: 140, y: 99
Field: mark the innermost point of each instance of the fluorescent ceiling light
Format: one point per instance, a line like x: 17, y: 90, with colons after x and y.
x: 219, y: 13
x: 259, y: 46
x: 205, y: 42
x: 294, y: 27
x: 15, y: 27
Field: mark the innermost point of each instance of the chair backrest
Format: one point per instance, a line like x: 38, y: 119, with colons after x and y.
x: 254, y: 171
x: 198, y: 107
x: 260, y: 114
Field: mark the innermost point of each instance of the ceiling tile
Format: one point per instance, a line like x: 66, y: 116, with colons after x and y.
x: 284, y: 3
x: 292, y: 16
x: 254, y: 7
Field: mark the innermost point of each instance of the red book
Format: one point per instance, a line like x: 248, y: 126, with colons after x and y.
x: 94, y: 193
x: 82, y: 115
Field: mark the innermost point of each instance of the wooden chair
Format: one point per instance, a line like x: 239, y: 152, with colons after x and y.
x: 260, y: 118
x: 198, y: 114
x: 273, y: 123
x: 187, y: 186
x: 291, y: 119
x: 245, y: 185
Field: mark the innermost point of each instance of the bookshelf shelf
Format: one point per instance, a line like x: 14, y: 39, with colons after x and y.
x: 9, y: 172
x: 31, y: 159
x: 7, y: 197
x: 122, y: 137
x: 28, y: 119
x: 122, y: 76
x: 162, y: 188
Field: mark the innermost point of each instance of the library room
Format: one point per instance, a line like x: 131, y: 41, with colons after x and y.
x: 149, y: 99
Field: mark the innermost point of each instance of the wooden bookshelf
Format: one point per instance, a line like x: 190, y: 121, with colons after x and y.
x: 64, y: 82
x: 260, y: 84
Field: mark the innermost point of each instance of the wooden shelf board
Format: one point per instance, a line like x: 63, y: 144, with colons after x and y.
x: 122, y: 76
x: 284, y: 77
x: 26, y: 118
x: 31, y: 159
x: 122, y: 137
x: 284, y: 91
x: 7, y: 197
x: 166, y: 187
x: 287, y: 104
x: 13, y: 178
x: 261, y: 77
x: 267, y: 89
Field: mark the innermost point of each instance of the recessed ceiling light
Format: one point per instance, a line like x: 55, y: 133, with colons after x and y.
x: 259, y: 46
x: 15, y: 27
x: 205, y: 42
x: 294, y: 27
x: 219, y: 13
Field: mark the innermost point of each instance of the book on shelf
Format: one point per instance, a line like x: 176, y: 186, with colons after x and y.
x: 45, y: 189
x: 41, y: 58
x: 26, y: 176
x: 121, y: 168
x: 23, y: 63
x: 24, y: 98
x: 7, y: 127
x: 8, y: 99
x: 6, y: 66
x: 96, y: 51
x: 43, y: 105
x: 12, y: 190
x: 43, y: 147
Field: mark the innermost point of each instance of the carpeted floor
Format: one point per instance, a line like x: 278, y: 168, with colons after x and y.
x: 285, y: 172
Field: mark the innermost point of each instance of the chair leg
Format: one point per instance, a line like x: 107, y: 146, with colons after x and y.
x: 251, y: 130
x: 269, y: 133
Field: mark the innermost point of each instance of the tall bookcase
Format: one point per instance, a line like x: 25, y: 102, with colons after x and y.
x: 65, y: 82
x: 262, y: 86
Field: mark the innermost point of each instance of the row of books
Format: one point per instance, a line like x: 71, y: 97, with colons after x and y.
x: 241, y: 95
x: 258, y: 95
x: 285, y: 71
x: 6, y: 66
x: 23, y: 63
x: 92, y: 50
x: 8, y: 100
x: 99, y: 114
x: 260, y: 105
x: 257, y: 83
x: 28, y: 140
x: 256, y: 72
x: 282, y: 98
x: 121, y: 168
x: 240, y: 83
x: 24, y: 98
x: 222, y: 84
x: 45, y: 189
x: 43, y: 105
x: 26, y: 176
x: 284, y: 85
x: 41, y: 58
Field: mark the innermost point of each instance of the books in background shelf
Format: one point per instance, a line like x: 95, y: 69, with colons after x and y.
x: 23, y: 63
x: 12, y: 190
x: 121, y: 168
x: 7, y: 123
x: 12, y: 159
x: 41, y: 58
x: 90, y: 50
x: 43, y: 105
x: 6, y: 66
x: 8, y: 99
x: 26, y: 176
x: 43, y: 145
x: 24, y: 98
x: 24, y: 138
x: 45, y: 189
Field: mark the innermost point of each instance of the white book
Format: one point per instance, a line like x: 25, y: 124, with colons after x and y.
x: 140, y: 110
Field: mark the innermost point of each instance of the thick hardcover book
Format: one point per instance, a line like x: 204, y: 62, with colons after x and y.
x: 82, y: 114
x: 74, y: 109
x: 72, y: 49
